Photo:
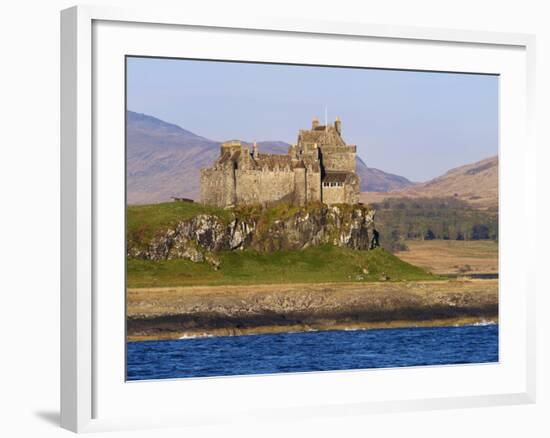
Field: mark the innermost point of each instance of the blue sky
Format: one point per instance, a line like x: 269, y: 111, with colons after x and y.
x: 415, y: 124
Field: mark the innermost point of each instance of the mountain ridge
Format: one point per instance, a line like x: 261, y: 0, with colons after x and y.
x: 475, y: 183
x: 164, y: 161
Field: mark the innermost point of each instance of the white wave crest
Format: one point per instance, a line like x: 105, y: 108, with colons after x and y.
x: 194, y: 336
x: 484, y: 322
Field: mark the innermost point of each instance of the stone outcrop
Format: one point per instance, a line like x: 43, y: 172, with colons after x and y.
x: 199, y: 238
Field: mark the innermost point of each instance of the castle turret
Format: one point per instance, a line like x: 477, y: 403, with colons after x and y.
x: 230, y: 146
x: 338, y: 125
x: 314, y: 123
x: 255, y: 151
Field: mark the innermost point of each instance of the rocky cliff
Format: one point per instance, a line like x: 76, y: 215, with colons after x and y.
x: 200, y: 237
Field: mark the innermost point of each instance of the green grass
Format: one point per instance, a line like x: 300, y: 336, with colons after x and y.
x: 313, y: 265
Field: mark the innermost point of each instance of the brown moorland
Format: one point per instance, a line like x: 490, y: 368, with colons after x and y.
x: 452, y: 257
x: 475, y: 183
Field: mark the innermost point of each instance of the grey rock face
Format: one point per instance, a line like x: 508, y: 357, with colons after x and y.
x: 198, y: 238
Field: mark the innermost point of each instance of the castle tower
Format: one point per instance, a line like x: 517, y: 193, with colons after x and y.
x: 230, y: 147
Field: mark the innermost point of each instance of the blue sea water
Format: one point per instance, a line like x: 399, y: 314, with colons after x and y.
x: 311, y: 351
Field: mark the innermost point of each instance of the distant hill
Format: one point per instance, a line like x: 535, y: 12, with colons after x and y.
x: 376, y: 180
x: 164, y: 160
x: 475, y: 183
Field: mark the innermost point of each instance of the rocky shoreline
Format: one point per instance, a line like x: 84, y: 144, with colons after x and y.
x: 173, y: 313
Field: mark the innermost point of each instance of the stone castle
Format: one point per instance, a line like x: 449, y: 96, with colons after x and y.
x: 320, y: 167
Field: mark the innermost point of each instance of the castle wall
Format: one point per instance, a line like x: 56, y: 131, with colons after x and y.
x: 226, y: 187
x: 218, y: 187
x: 259, y: 187
x: 313, y: 186
x: 334, y: 195
x: 300, y: 186
x: 247, y: 190
x: 339, y: 158
x: 351, y: 193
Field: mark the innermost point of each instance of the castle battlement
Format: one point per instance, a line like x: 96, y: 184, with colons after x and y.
x: 320, y: 167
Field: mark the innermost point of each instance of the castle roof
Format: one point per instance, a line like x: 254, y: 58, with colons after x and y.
x: 272, y: 161
x: 322, y: 135
x: 266, y: 161
x: 337, y: 176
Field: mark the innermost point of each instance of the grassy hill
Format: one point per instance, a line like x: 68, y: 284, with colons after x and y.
x: 143, y: 221
x: 320, y: 264
x: 323, y: 264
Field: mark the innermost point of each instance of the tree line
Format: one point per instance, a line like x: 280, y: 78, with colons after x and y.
x: 400, y: 219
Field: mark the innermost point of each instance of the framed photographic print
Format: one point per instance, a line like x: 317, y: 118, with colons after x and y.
x: 282, y: 218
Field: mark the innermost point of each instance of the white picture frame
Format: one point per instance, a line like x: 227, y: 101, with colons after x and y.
x: 87, y: 321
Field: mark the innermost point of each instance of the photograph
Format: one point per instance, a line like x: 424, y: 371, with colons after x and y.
x: 275, y: 219
x: 289, y: 218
